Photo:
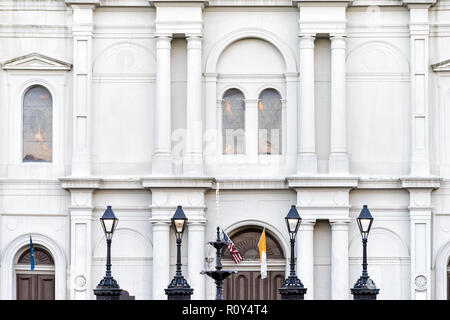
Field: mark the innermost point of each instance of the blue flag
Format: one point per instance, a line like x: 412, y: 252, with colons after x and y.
x: 31, y: 254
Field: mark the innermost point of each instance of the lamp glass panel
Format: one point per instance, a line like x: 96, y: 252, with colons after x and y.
x: 179, y: 223
x: 292, y: 224
x: 109, y: 225
x: 365, y: 223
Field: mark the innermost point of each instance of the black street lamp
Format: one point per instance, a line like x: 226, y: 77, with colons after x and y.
x: 364, y: 288
x: 178, y: 288
x: 292, y: 288
x: 108, y: 289
x: 218, y: 275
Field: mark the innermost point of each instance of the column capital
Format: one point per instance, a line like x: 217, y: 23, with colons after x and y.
x: 307, y: 36
x: 160, y: 221
x: 194, y: 42
x: 307, y: 42
x: 194, y: 36
x: 306, y: 222
x: 338, y: 35
x: 163, y: 35
x: 199, y: 222
x: 340, y: 224
x: 337, y: 42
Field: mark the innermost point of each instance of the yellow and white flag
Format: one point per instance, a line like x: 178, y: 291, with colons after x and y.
x: 263, y: 254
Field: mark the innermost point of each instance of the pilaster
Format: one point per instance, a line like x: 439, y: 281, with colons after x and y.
x: 420, y: 211
x: 419, y: 27
x: 82, y: 32
x: 81, y: 209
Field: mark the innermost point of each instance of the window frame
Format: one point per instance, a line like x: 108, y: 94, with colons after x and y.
x: 282, y: 122
x: 244, y: 124
x: 23, y: 124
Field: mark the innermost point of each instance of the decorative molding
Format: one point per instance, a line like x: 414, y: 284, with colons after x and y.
x: 80, y: 183
x: 323, y: 181
x: 251, y: 183
x: 36, y: 61
x: 177, y: 182
x: 426, y: 182
x: 91, y: 2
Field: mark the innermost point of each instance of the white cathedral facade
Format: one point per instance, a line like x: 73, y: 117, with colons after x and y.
x: 146, y: 105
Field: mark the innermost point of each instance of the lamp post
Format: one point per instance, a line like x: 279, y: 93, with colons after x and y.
x: 364, y: 288
x: 292, y: 288
x: 178, y: 288
x: 108, y: 289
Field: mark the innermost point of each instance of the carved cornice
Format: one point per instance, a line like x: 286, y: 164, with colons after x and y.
x: 425, y: 182
x: 79, y: 2
x: 177, y: 182
x: 80, y: 182
x: 325, y: 181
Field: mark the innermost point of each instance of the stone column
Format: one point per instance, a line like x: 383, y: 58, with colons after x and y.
x: 307, y: 158
x: 161, y: 255
x: 305, y: 254
x: 82, y: 30
x: 338, y: 161
x: 162, y: 142
x: 419, y: 61
x: 196, y: 258
x: 340, y: 288
x: 193, y: 160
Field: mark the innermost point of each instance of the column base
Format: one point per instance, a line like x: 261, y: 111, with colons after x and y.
x: 162, y: 164
x: 307, y: 163
x: 338, y: 163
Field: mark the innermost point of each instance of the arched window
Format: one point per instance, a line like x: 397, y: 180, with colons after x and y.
x: 37, y: 125
x: 269, y: 122
x: 233, y: 122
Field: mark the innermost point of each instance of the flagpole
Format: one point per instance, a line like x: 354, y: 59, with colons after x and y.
x: 217, y: 203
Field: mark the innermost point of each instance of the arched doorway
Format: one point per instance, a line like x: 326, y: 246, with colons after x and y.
x: 247, y: 283
x: 37, y: 284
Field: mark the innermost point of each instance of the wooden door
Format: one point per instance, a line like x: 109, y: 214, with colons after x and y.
x: 448, y: 285
x: 247, y: 285
x: 35, y: 287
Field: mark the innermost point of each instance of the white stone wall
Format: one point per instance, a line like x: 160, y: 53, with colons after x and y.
x: 385, y: 146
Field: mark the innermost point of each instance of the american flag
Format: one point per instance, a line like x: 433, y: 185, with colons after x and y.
x: 237, y: 257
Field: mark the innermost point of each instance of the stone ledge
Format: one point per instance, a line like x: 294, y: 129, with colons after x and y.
x: 177, y: 182
x: 420, y: 182
x: 80, y: 182
x: 322, y: 181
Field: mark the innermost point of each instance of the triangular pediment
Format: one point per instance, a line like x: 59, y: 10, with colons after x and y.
x: 441, y: 66
x: 35, y: 61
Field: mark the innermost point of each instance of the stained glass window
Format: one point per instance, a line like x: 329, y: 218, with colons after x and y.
x: 233, y: 122
x: 269, y: 122
x: 37, y: 125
